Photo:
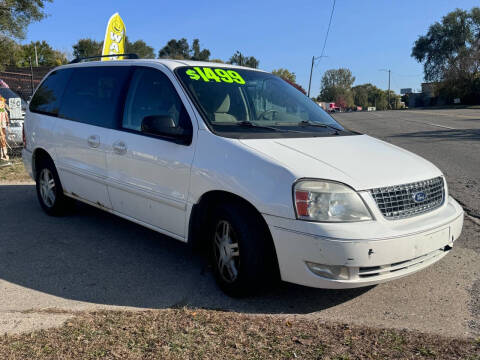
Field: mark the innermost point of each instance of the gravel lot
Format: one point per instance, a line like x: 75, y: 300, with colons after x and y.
x: 91, y: 260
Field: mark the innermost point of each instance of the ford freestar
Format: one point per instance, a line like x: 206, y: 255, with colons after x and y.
x: 240, y: 163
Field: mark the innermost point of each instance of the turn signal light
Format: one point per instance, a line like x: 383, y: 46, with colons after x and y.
x: 301, y: 201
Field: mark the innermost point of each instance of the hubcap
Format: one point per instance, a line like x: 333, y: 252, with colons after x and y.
x: 47, y: 187
x: 226, y: 251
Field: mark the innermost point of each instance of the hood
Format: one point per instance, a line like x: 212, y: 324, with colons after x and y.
x: 360, y: 161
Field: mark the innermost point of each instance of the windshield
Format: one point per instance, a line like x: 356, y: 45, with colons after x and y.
x: 249, y: 103
x: 7, y: 94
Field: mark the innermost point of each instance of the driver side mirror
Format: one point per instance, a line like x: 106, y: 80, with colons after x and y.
x: 164, y: 125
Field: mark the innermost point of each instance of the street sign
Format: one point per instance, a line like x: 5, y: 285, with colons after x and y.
x: 406, y: 91
x: 15, y: 105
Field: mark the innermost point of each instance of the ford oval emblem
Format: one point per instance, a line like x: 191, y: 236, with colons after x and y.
x: 419, y: 197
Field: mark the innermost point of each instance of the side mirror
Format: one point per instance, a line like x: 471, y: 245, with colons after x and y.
x: 164, y: 125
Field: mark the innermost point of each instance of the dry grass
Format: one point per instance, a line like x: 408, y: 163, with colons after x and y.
x: 206, y: 334
x: 14, y: 172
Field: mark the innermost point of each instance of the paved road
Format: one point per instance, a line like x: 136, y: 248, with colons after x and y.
x: 90, y: 260
x: 448, y: 138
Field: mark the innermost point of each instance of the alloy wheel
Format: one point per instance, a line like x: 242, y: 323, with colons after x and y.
x: 226, y: 251
x: 47, y: 187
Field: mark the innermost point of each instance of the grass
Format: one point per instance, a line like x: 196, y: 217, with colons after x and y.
x: 14, y: 172
x: 207, y: 334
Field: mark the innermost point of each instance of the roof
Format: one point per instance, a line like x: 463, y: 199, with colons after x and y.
x: 172, y: 64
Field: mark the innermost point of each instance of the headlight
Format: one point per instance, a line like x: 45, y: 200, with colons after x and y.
x: 328, y: 202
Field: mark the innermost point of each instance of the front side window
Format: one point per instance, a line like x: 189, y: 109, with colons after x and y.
x: 47, y: 98
x: 247, y: 103
x: 94, y: 95
x: 152, y: 94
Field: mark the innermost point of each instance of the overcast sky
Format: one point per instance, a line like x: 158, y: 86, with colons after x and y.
x: 365, y: 36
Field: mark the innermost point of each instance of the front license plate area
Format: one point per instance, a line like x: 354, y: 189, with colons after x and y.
x: 433, y: 241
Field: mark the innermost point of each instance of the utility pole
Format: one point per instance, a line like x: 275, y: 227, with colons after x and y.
x: 31, y: 74
x: 389, y: 104
x: 36, y: 56
x: 389, y: 71
x: 311, y: 71
x: 314, y: 58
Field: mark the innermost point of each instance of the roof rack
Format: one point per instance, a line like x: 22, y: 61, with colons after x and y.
x: 128, y: 56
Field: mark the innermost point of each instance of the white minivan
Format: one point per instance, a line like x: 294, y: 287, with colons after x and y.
x: 237, y: 162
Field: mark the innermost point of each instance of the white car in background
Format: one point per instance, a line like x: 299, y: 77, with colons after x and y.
x: 14, y: 132
x: 238, y: 162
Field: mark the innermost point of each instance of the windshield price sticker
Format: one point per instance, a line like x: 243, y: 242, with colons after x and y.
x: 217, y: 75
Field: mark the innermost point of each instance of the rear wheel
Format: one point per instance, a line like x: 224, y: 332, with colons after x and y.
x: 49, y: 189
x: 242, y: 253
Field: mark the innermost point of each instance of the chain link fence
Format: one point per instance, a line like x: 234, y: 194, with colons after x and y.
x: 23, y: 81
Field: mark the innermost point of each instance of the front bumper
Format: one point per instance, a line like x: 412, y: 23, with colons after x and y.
x: 410, y: 245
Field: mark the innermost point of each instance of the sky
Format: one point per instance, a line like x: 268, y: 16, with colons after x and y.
x: 365, y: 35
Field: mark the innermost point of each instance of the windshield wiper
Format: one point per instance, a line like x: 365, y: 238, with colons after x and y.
x: 310, y: 123
x: 247, y: 123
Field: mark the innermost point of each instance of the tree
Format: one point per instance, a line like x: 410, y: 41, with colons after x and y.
x: 175, y: 49
x: 462, y: 78
x: 140, y: 48
x: 336, y: 87
x: 196, y: 53
x: 338, y: 77
x: 445, y: 41
x: 45, y: 54
x: 180, y: 49
x: 239, y: 59
x: 16, y: 15
x: 10, y: 52
x: 87, y: 47
x: 360, y: 95
x: 285, y: 74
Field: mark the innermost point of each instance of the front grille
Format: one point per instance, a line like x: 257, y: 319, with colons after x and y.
x: 402, y: 201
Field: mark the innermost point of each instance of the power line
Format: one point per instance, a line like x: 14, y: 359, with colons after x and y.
x: 323, y: 48
x: 328, y: 28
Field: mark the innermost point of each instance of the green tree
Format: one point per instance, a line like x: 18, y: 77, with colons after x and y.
x: 360, y: 95
x: 87, y: 47
x: 338, y: 77
x: 447, y: 40
x: 180, y: 49
x: 46, y: 55
x: 140, y: 48
x: 10, y: 52
x: 239, y: 59
x: 462, y: 78
x: 285, y: 74
x: 336, y: 86
x: 197, y: 54
x: 175, y: 49
x: 16, y: 15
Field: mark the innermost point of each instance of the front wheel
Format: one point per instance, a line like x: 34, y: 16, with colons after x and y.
x: 242, y: 253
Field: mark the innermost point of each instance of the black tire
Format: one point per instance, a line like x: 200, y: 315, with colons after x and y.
x: 57, y: 205
x: 256, y: 263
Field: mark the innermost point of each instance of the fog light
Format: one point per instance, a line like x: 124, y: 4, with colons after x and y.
x: 336, y: 272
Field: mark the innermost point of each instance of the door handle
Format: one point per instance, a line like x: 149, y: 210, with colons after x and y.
x: 93, y: 141
x: 119, y: 147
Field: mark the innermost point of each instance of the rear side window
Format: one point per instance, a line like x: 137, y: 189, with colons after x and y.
x: 47, y: 98
x: 94, y: 95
